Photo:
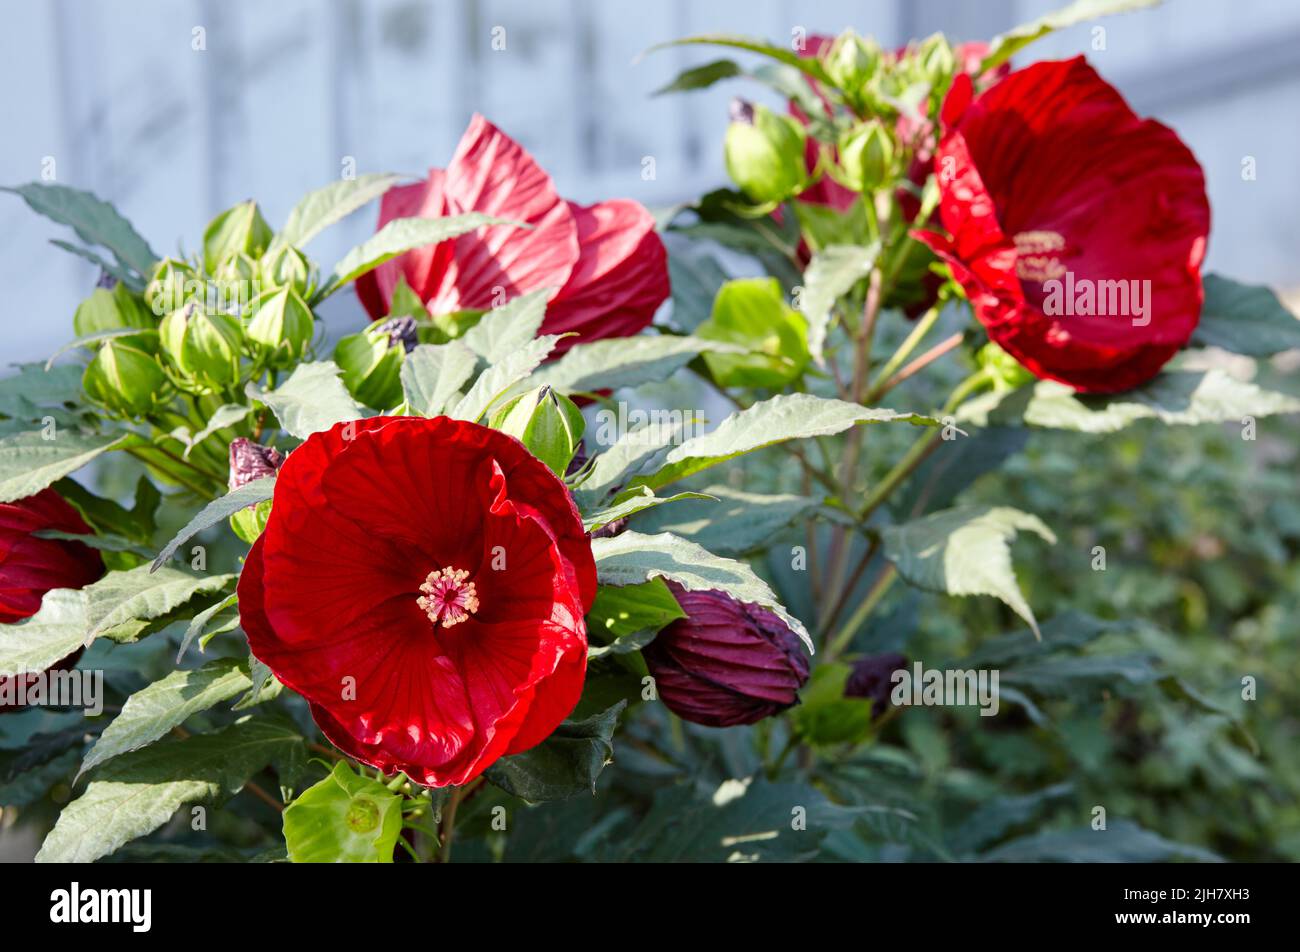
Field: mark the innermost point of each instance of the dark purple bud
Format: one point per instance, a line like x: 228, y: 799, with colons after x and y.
x: 250, y: 461
x: 106, y: 280
x: 742, y: 111
x: 726, y: 662
x: 611, y: 529
x: 871, y: 679
x: 401, y: 330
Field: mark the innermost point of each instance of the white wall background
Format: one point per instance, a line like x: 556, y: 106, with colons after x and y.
x: 115, y: 93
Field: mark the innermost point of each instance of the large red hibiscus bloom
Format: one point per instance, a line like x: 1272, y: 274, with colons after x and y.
x: 1077, y: 229
x: 422, y: 582
x: 605, y: 261
x: 29, y: 565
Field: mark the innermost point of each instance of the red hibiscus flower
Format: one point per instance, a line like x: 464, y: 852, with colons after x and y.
x: 29, y: 565
x: 423, y: 584
x: 605, y: 261
x: 1077, y: 228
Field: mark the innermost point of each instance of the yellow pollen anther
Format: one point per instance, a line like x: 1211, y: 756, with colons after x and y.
x: 449, y: 598
x: 1037, y: 255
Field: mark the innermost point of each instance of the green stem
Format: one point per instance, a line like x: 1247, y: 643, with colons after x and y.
x: 860, y: 614
x: 923, y: 326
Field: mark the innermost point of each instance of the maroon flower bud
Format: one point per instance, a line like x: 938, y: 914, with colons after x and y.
x: 250, y: 461
x: 871, y: 677
x: 611, y: 529
x: 727, y: 662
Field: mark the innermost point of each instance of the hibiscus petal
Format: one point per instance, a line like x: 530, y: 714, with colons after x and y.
x: 620, y: 279
x: 493, y: 174
x: 420, y: 200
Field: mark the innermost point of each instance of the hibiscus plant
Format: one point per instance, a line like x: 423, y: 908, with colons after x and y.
x: 531, y: 567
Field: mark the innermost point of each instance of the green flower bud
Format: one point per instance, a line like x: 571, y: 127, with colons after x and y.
x: 204, y: 346
x: 110, y: 310
x: 172, y: 283
x: 287, y: 266
x: 549, y: 424
x: 851, y: 61
x: 124, y: 379
x: 249, y: 523
x: 238, y: 229
x: 937, y: 60
x: 765, y: 155
x: 283, y: 323
x: 371, y: 364
x: 867, y: 157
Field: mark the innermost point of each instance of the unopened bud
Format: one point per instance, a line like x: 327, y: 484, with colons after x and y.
x: 124, y: 379
x: 240, y: 229
x: 549, y: 424
x: 371, y: 365
x: 282, y: 323
x: 203, y: 345
x: 765, y: 156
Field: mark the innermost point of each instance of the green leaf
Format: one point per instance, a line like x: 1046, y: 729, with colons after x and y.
x: 311, y: 400
x: 734, y: 523
x: 198, y: 625
x: 738, y: 821
x: 1123, y: 841
x: 772, y: 338
x: 433, y: 374
x: 637, y: 500
x: 136, y: 793
x: 35, y: 386
x: 503, y: 330
x: 625, y: 362
x: 142, y: 594
x: 317, y: 210
x: 787, y: 417
x: 29, y: 462
x: 824, y: 715
x: 628, y: 452
x: 631, y: 558
x: 228, y: 414
x: 1245, y: 319
x: 809, y: 66
x: 95, y: 339
x: 1008, y: 44
x: 494, y: 382
x: 964, y: 551
x: 49, y: 636
x: 696, y: 277
x: 150, y: 713
x: 27, y: 786
x: 95, y: 221
x: 219, y: 510
x: 345, y: 818
x: 831, y: 274
x: 403, y: 235
x: 701, y: 77
x: 129, y: 278
x: 1174, y: 397
x: 565, y: 764
x: 622, y: 609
